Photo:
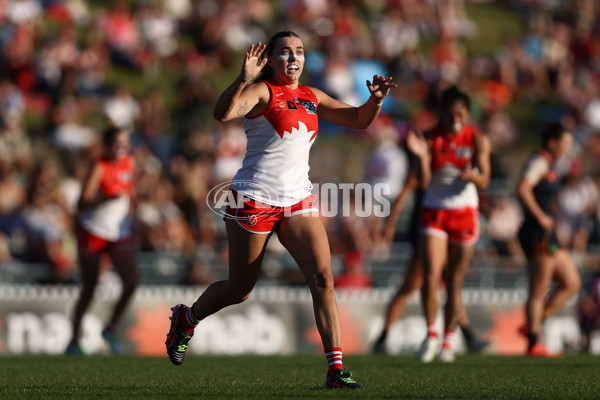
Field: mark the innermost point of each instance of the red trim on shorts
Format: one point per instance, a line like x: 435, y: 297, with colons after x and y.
x: 87, y: 242
x: 460, y: 226
x: 260, y: 218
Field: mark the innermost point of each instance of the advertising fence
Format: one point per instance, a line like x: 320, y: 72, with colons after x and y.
x: 275, y: 320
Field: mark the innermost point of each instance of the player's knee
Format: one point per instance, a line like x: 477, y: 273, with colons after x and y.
x: 410, y: 287
x: 323, y: 280
x: 455, y: 282
x: 433, y: 279
x: 240, y: 298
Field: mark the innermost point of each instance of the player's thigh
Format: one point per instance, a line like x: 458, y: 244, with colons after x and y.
x: 459, y: 259
x: 413, y: 278
x: 89, y: 267
x: 304, y: 236
x: 565, y: 270
x: 540, y: 270
x: 246, y: 252
x: 434, y: 254
x: 125, y: 262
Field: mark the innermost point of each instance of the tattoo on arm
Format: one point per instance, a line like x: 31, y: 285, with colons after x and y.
x: 243, y: 108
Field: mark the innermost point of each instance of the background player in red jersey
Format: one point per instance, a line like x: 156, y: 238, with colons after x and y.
x: 413, y: 278
x: 460, y: 165
x: 281, y: 122
x: 104, y: 228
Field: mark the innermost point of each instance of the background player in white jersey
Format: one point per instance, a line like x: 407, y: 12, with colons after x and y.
x: 281, y: 122
x: 413, y: 277
x: 460, y: 165
x: 104, y: 228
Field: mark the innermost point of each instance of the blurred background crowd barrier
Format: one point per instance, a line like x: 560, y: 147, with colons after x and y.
x: 70, y: 67
x: 275, y: 320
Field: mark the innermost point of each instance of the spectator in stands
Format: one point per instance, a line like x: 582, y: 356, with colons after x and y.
x: 12, y: 102
x: 12, y: 200
x: 159, y: 28
x: 121, y: 29
x: 353, y: 274
x: 198, y: 272
x: 71, y: 134
x: 356, y: 231
x: 588, y: 310
x: 229, y: 151
x: 503, y: 222
x: 122, y: 109
x: 388, y: 163
x: 92, y: 65
x: 47, y: 228
x: 577, y: 202
x: 160, y: 224
x: 154, y: 123
x: 5, y: 256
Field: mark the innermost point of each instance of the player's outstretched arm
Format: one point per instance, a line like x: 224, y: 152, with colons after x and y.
x: 340, y: 113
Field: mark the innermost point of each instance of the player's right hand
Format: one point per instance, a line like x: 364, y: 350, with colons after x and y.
x: 252, y: 67
x: 546, y: 222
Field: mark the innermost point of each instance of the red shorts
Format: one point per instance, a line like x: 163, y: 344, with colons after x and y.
x: 460, y: 226
x: 89, y: 243
x: 257, y: 217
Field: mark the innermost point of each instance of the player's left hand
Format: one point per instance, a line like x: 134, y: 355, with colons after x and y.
x: 380, y: 87
x: 417, y: 143
x: 468, y: 173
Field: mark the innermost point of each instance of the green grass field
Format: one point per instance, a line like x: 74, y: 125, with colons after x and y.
x: 301, y: 377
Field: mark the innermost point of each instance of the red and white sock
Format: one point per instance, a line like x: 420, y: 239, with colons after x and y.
x: 188, y: 320
x: 334, y: 359
x: 448, y: 338
x: 431, y: 331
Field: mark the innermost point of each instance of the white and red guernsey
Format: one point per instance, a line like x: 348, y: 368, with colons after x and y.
x: 450, y: 155
x: 275, y: 168
x: 110, y: 219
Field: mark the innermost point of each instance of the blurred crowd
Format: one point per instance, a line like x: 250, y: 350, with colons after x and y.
x: 70, y: 67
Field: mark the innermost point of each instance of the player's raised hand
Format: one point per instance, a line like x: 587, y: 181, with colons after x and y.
x: 380, y: 87
x: 252, y: 67
x: 417, y: 143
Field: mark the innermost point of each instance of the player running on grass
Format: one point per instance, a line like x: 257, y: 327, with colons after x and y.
x: 281, y: 123
x: 547, y: 261
x: 413, y: 278
x: 104, y: 228
x: 460, y: 165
